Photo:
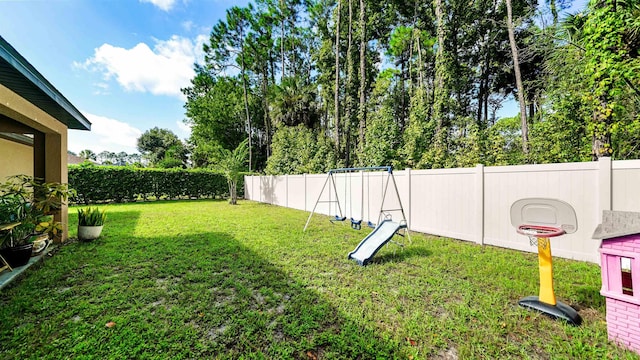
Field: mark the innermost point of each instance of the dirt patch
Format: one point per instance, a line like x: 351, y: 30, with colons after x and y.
x: 447, y: 354
x: 214, y: 333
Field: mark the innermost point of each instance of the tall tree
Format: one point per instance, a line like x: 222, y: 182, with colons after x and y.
x: 610, y: 39
x: 336, y: 96
x: 259, y: 59
x: 518, y: 76
x: 441, y: 93
x: 214, y: 111
x: 227, y: 49
x: 362, y: 110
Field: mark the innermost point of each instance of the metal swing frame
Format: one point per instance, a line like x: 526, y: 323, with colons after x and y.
x: 382, y: 215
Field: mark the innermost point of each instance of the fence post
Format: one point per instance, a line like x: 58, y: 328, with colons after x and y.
x: 408, y: 208
x: 480, y: 203
x: 304, y: 177
x: 260, y: 187
x: 604, y: 185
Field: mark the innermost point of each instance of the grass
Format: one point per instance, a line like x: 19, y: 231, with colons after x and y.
x: 203, y: 279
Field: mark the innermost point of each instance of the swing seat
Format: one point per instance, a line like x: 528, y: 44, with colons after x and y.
x: 338, y: 218
x: 356, y: 224
x: 371, y: 225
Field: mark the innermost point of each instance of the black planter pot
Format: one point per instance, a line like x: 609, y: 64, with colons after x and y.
x: 18, y: 255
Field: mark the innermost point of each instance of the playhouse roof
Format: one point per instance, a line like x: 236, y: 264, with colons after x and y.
x: 617, y: 224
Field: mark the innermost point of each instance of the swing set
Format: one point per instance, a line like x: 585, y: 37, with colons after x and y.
x: 384, y: 229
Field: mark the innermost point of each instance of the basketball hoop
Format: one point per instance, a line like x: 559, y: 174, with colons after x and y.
x: 539, y: 235
x: 541, y: 219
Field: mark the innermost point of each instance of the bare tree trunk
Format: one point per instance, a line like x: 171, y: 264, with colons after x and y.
x: 336, y: 96
x: 439, y: 81
x: 420, y: 64
x: 362, y: 114
x: 519, y: 86
x: 246, y: 105
x: 554, y: 11
x: 233, y: 196
x: 601, y: 145
x: 349, y: 95
x: 282, y: 7
x: 267, y: 117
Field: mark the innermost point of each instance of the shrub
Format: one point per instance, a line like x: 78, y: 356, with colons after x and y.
x: 127, y: 183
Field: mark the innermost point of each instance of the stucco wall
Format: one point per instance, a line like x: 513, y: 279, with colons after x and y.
x: 15, y: 158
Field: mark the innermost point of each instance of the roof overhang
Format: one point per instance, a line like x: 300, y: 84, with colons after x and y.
x: 22, y: 78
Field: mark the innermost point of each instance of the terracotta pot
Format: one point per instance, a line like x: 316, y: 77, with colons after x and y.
x: 88, y: 233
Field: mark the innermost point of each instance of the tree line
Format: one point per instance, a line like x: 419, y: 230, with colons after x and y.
x: 159, y: 148
x: 309, y: 85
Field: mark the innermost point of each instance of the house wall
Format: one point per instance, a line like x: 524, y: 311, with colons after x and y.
x: 15, y: 158
x: 50, y: 141
x: 471, y: 204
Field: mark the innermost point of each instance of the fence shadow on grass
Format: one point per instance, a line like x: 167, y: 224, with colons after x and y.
x: 197, y: 295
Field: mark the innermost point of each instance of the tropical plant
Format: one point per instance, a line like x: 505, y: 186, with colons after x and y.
x: 32, y: 203
x: 91, y: 217
x: 232, y: 163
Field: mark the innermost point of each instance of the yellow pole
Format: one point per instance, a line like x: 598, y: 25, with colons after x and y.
x: 546, y: 272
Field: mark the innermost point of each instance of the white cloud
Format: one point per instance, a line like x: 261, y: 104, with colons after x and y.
x: 106, y: 134
x: 165, y: 5
x: 184, y: 129
x: 161, y: 71
x: 101, y: 88
x: 187, y: 25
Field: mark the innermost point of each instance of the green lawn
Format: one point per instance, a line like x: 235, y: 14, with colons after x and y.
x: 203, y: 279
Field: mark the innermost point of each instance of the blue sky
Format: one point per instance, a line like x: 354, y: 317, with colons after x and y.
x: 121, y: 62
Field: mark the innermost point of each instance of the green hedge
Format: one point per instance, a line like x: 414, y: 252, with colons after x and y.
x: 119, y: 184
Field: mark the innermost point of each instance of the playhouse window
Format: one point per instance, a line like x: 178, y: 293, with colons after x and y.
x: 627, y: 283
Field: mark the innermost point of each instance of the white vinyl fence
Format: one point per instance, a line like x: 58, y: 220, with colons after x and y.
x: 471, y: 203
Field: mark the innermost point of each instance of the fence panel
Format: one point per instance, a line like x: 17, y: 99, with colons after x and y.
x: 315, y: 183
x: 625, y: 183
x: 574, y: 183
x: 443, y: 202
x: 296, y: 192
x: 470, y: 204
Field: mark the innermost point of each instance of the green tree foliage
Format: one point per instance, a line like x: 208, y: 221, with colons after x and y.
x: 593, y: 101
x: 88, y: 154
x: 299, y: 150
x: 214, y: 112
x: 326, y: 83
x: 162, y: 146
x: 610, y: 38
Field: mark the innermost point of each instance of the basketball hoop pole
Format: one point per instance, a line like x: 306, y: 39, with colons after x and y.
x: 545, y: 264
x: 546, y: 302
x: 540, y: 235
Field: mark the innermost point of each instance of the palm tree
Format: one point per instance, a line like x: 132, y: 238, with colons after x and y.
x: 232, y: 163
x: 87, y: 154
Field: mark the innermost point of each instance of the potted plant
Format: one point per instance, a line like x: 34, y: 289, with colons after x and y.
x: 28, y: 204
x: 90, y: 223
